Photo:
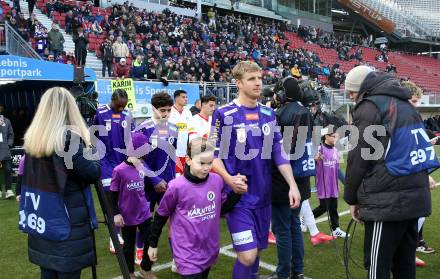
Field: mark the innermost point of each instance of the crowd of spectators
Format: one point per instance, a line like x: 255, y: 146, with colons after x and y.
x: 147, y: 45
x: 49, y: 44
x: 433, y: 123
x: 173, y: 47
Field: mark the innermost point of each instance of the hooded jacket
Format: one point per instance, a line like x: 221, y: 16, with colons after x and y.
x: 294, y: 115
x: 6, y: 138
x: 76, y: 251
x: 380, y: 195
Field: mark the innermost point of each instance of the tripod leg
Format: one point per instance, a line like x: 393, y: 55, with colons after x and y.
x: 95, y: 260
x: 111, y: 229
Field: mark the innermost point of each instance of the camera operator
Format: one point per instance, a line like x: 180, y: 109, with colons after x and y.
x: 286, y: 223
x: 390, y: 192
x: 267, y: 96
x: 57, y: 210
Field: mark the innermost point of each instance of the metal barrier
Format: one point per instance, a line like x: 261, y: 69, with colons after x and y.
x: 434, y: 98
x: 225, y: 92
x: 16, y: 45
x: 2, y: 38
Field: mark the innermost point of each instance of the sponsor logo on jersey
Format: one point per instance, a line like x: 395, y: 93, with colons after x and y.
x: 198, y: 212
x: 181, y: 126
x: 252, y: 116
x: 265, y: 111
x: 241, y: 238
x: 135, y: 185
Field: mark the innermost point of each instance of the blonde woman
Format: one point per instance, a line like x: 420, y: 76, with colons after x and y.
x: 56, y: 206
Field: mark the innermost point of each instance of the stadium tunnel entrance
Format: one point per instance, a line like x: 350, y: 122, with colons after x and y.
x: 22, y: 82
x: 19, y: 101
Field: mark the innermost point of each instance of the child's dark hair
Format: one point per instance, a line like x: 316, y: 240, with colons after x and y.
x: 208, y: 98
x: 161, y: 99
x: 119, y: 94
x: 198, y: 146
x: 178, y: 92
x: 331, y: 129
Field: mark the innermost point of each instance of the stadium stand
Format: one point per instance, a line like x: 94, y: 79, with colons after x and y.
x: 179, y: 54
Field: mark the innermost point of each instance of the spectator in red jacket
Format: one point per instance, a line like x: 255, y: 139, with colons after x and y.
x: 121, y: 69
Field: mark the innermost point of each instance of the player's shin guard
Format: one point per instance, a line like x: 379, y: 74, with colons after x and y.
x: 241, y: 271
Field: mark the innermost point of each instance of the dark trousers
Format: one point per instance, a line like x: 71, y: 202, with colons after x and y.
x: 53, y: 274
x: 80, y: 56
x: 109, y: 66
x: 286, y: 226
x: 7, y: 173
x: 330, y: 204
x: 31, y: 5
x: 16, y: 5
x: 390, y: 247
x: 202, y: 275
x: 129, y: 236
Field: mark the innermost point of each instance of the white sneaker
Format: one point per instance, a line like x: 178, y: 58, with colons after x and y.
x: 9, y: 194
x: 121, y: 240
x: 303, y: 225
x: 340, y: 233
x: 173, y: 266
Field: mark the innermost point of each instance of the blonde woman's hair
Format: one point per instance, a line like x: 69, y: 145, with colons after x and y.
x: 415, y: 90
x: 244, y: 67
x: 56, y: 113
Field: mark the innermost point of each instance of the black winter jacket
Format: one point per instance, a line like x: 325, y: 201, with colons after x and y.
x: 293, y: 114
x: 381, y: 196
x: 76, y: 252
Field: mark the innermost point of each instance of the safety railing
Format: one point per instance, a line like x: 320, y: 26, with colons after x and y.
x: 225, y: 92
x: 2, y: 37
x: 16, y: 45
x: 434, y: 98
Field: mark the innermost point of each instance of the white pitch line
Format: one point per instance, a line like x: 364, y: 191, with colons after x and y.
x: 225, y: 251
x: 156, y: 268
x: 322, y: 219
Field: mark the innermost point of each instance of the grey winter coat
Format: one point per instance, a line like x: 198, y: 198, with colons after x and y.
x: 6, y: 138
x: 55, y: 39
